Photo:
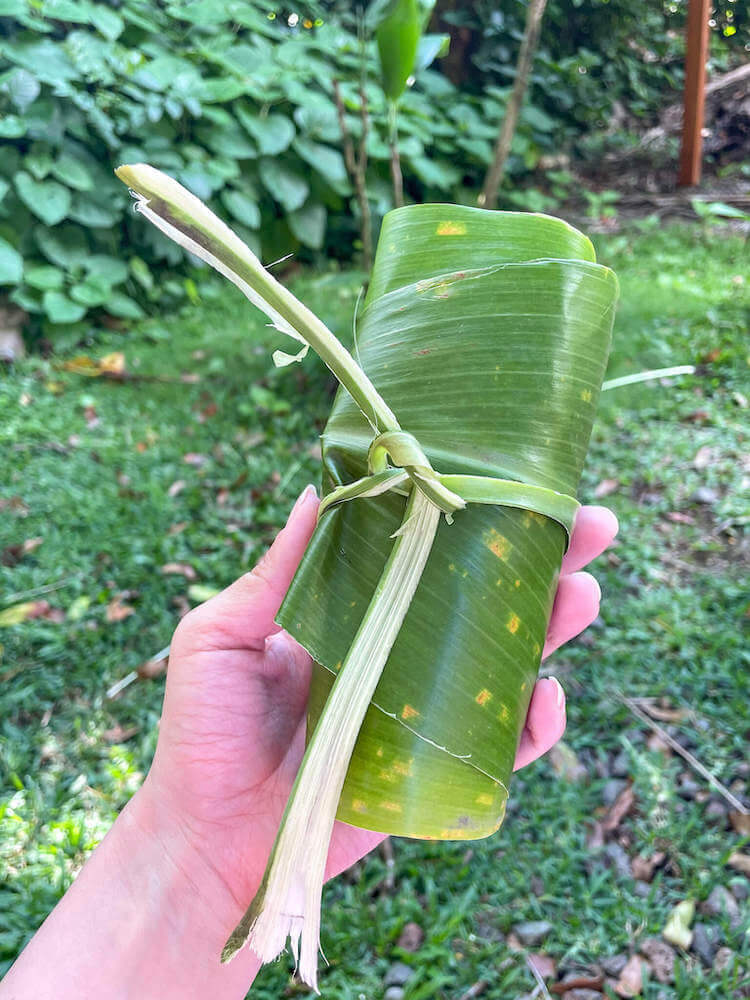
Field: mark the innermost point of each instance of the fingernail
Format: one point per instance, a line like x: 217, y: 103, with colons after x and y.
x: 309, y: 491
x: 560, y: 694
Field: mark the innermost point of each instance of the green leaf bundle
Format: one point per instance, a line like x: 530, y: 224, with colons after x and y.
x: 480, y: 356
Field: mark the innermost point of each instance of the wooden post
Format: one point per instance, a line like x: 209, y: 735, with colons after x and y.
x: 699, y: 12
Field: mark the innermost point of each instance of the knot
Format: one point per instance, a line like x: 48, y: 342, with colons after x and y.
x: 406, y: 455
x: 410, y: 468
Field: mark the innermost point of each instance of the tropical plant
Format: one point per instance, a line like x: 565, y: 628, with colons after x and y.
x: 481, y: 349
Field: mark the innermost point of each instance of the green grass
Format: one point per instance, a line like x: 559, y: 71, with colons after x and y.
x: 92, y: 462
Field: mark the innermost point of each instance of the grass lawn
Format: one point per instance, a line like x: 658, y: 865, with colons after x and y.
x: 197, y: 464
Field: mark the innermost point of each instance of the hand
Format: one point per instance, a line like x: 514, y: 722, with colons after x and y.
x: 233, y: 728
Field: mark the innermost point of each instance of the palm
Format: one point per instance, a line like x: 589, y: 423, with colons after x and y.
x: 232, y: 733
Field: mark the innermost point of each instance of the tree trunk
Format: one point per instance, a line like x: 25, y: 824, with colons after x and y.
x: 534, y: 14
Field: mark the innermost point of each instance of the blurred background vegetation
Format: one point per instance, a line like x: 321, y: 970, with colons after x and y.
x: 150, y: 451
x: 237, y: 102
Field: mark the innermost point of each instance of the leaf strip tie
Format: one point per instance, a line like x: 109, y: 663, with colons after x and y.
x: 448, y: 492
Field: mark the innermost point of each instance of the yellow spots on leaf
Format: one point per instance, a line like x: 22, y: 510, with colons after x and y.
x: 586, y: 395
x: 499, y: 582
x: 516, y: 584
x: 537, y: 649
x: 394, y: 807
x: 450, y: 229
x: 452, y: 567
x: 512, y: 623
x: 524, y: 686
x: 358, y: 806
x: 485, y: 799
x: 503, y: 715
x: 388, y: 776
x: 403, y: 767
x: 353, y: 604
x: 379, y: 752
x: 483, y: 697
x: 497, y: 544
x: 338, y: 666
x: 407, y: 712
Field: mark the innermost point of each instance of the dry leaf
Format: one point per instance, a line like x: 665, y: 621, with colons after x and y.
x: 193, y: 458
x: 111, y: 365
x: 630, y: 982
x: 679, y: 518
x: 117, y: 611
x: 13, y: 554
x: 119, y: 735
x: 740, y: 821
x: 578, y: 983
x: 179, y: 569
x: 411, y: 937
x: 605, y: 487
x: 704, y: 457
x: 177, y: 487
x: 595, y: 837
x: 643, y: 868
x: 663, y: 712
x: 545, y: 965
x: 677, y: 928
x: 618, y: 810
x: 565, y: 762
x: 25, y: 399
x: 15, y: 505
x: 175, y: 529
x: 740, y: 862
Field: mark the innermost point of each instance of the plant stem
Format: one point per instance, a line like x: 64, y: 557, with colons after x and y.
x: 186, y: 220
x: 356, y: 166
x: 396, y: 176
x: 534, y: 14
x: 288, y: 902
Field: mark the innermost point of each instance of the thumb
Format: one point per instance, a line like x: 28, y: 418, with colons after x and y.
x: 242, y: 616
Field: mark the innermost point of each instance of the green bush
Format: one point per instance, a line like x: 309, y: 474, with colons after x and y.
x: 234, y: 102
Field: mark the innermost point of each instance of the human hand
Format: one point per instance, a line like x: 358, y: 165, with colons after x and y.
x: 233, y: 727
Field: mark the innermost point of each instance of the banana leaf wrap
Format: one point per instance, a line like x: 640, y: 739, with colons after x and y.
x: 487, y: 333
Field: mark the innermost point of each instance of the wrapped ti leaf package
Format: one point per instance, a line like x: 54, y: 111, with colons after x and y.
x: 480, y: 355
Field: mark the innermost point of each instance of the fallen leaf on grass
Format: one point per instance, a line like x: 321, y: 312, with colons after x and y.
x: 618, y: 810
x: 740, y: 862
x: 13, y: 554
x: 643, y: 868
x: 177, y: 487
x: 605, y: 487
x: 740, y: 822
x: 411, y: 937
x: 578, y: 983
x: 679, y: 518
x: 119, y: 735
x: 545, y: 965
x: 565, y: 762
x: 677, y: 928
x: 704, y: 456
x: 15, y: 505
x: 91, y: 416
x: 179, y: 569
x: 663, y: 711
x: 194, y: 459
x: 110, y: 366
x: 17, y: 614
x: 630, y: 982
x: 175, y: 529
x: 117, y: 611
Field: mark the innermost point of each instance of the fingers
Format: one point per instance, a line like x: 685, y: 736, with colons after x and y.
x: 545, y: 722
x: 576, y: 606
x: 242, y: 616
x: 594, y: 529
